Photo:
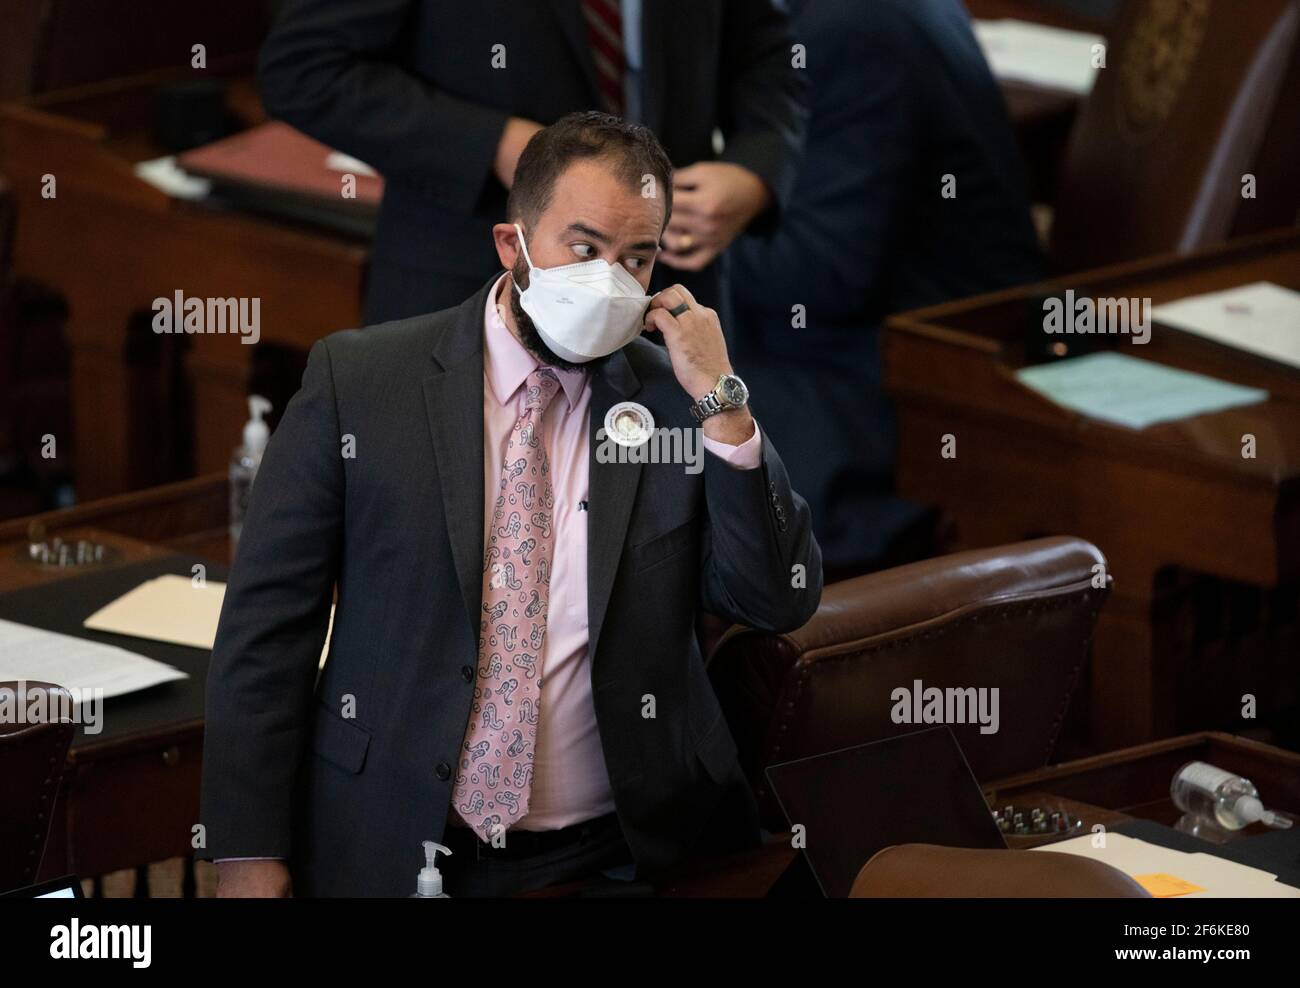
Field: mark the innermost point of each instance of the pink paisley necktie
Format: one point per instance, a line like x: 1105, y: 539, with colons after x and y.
x: 495, y: 776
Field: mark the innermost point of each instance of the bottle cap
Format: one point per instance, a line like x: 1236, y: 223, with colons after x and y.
x: 1250, y: 809
x: 256, y: 431
x: 429, y: 882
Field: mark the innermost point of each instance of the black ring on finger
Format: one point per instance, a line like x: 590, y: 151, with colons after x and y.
x: 677, y: 310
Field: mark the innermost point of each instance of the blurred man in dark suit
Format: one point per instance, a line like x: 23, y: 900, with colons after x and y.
x: 441, y: 99
x: 911, y: 193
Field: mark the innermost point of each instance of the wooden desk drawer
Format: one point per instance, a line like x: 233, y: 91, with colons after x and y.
x: 131, y: 805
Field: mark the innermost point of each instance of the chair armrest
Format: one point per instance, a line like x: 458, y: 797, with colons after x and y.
x: 902, y: 598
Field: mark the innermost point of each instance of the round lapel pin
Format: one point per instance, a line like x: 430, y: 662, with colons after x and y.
x: 629, y: 424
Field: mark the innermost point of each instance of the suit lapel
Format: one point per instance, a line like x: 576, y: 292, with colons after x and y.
x: 453, y: 398
x: 569, y: 14
x: 611, y: 491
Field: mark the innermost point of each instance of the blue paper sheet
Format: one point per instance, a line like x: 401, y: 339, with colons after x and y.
x: 1131, y: 392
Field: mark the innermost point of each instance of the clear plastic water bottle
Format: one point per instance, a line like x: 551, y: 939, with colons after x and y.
x: 1209, y: 795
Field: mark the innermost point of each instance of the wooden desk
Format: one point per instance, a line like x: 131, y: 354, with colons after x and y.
x: 1110, y: 790
x: 1039, y: 13
x: 111, y: 243
x: 1134, y: 782
x: 130, y: 795
x: 1174, y: 495
x: 1042, y: 117
x: 131, y: 799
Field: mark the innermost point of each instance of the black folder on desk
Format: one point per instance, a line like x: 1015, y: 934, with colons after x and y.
x: 63, y: 605
x: 1277, y: 851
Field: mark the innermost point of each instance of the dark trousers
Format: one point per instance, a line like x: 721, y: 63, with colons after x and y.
x: 584, y: 850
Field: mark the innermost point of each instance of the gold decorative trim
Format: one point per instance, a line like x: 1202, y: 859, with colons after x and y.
x: 1161, y: 48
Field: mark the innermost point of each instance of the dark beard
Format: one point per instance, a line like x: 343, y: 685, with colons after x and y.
x: 528, y: 335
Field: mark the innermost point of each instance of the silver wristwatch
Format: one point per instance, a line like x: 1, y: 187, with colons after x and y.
x: 730, y: 392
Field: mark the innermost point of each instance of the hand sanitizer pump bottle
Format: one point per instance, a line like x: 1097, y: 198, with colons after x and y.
x: 1216, y: 803
x: 245, y: 461
x: 428, y: 885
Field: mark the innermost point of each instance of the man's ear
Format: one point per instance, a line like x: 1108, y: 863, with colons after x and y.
x: 507, y: 243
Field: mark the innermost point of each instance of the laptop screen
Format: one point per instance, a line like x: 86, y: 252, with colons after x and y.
x: 911, y: 789
x: 68, y: 887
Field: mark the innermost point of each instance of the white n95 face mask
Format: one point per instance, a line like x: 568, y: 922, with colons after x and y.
x: 583, y: 311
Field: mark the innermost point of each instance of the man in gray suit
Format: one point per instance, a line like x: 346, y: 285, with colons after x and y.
x: 513, y: 669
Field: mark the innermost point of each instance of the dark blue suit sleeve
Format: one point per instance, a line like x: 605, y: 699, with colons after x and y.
x: 331, y: 69
x: 274, y: 618
x: 831, y: 247
x: 760, y: 564
x: 763, y: 116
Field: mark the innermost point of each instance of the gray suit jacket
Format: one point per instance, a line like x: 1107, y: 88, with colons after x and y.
x: 373, y: 481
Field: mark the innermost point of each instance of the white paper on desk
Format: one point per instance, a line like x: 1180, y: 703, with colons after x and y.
x: 28, y: 654
x: 1219, y: 877
x: 171, y: 608
x: 1052, y: 57
x: 1260, y: 318
x: 340, y: 162
x: 164, y: 174
x: 1127, y: 391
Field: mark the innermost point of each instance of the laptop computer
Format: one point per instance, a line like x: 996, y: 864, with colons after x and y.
x: 67, y: 887
x: 912, y: 789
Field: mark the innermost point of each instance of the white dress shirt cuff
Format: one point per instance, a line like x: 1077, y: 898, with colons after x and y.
x: 222, y: 860
x: 747, y: 456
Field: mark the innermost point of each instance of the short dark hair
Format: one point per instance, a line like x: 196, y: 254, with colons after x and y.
x: 632, y: 149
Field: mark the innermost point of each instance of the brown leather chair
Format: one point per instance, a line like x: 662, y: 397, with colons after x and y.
x: 32, y: 760
x: 1195, y: 95
x: 1018, y: 618
x: 927, y: 871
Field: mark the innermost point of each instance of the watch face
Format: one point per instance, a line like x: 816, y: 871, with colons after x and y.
x: 732, y: 390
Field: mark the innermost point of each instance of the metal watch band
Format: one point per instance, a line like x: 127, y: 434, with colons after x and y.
x: 707, y: 406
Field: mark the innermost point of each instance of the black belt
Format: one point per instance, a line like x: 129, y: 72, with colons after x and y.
x: 526, y: 843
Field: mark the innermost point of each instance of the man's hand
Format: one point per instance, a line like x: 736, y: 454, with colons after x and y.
x: 517, y: 133
x: 267, y: 879
x: 713, y: 201
x: 698, y: 352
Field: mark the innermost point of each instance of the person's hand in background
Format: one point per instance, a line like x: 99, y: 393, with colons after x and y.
x: 266, y: 878
x: 713, y: 201
x: 518, y: 132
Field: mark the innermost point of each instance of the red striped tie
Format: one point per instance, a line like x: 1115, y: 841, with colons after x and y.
x: 605, y: 35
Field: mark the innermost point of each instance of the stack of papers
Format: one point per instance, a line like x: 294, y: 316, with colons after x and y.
x: 172, y: 609
x: 1260, y: 318
x: 167, y: 609
x: 1165, y: 872
x: 1052, y: 57
x: 1123, y: 390
x: 33, y: 654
